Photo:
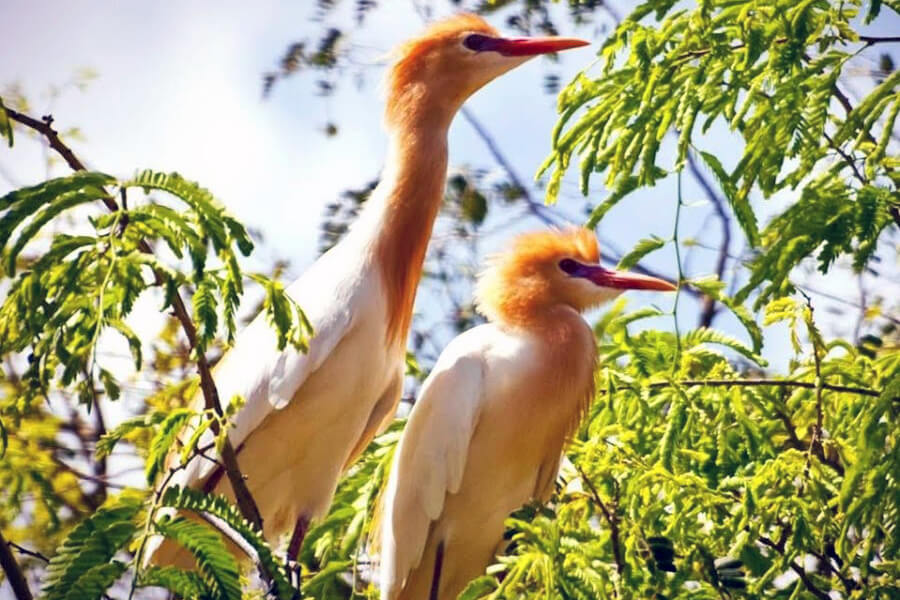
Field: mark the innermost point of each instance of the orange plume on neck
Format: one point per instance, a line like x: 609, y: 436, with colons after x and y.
x: 516, y: 288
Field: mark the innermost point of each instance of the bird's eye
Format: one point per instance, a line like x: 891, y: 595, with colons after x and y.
x: 569, y: 266
x: 477, y: 42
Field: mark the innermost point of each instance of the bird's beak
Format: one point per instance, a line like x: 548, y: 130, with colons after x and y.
x: 534, y: 46
x: 624, y: 280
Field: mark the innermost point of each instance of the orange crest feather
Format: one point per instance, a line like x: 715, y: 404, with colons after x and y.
x: 512, y: 286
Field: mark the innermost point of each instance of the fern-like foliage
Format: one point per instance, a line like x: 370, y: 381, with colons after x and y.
x: 81, y: 565
x: 216, y: 566
x: 186, y: 499
x: 768, y: 71
x: 62, y: 299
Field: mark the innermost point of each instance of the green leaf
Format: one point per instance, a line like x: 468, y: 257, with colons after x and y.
x: 6, y: 129
x: 740, y: 204
x: 164, y: 440
x: 61, y: 203
x: 642, y: 249
x: 213, y: 218
x: 205, y: 315
x: 218, y: 506
x: 216, y: 565
x: 108, y: 441
x: 25, y: 201
x: 715, y: 289
x: 92, y: 543
x: 706, y: 335
x: 93, y: 584
x: 628, y: 185
x: 186, y: 584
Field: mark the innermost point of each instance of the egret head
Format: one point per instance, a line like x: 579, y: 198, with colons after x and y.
x: 436, y: 72
x: 550, y: 268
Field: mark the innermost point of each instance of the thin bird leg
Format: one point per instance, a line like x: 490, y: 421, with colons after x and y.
x: 293, y: 550
x: 436, y: 578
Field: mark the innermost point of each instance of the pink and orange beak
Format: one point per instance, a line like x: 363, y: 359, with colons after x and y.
x: 535, y: 46
x: 610, y: 278
x: 624, y: 280
x: 521, y: 46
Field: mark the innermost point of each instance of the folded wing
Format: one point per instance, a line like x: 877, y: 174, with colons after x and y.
x: 431, y: 458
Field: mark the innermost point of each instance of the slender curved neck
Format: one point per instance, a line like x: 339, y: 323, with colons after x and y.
x: 406, y: 203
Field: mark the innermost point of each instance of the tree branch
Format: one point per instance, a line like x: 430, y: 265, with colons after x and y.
x: 244, y: 500
x: 871, y: 41
x: 26, y: 552
x: 534, y: 207
x: 813, y: 589
x: 14, y: 574
x: 768, y: 382
x: 611, y: 517
x: 44, y: 127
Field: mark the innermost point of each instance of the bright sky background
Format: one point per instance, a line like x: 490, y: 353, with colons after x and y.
x: 179, y: 88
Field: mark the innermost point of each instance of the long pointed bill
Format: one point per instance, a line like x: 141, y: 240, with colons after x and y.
x: 533, y: 46
x: 624, y: 280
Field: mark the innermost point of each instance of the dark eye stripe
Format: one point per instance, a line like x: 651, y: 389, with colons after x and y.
x: 478, y: 43
x: 569, y: 266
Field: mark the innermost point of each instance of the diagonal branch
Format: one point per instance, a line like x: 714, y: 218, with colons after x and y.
x: 800, y: 571
x: 44, y: 127
x: 534, y: 207
x: 611, y: 516
x: 26, y: 552
x: 893, y: 209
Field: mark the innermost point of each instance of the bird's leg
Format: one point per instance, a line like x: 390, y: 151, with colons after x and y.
x: 293, y: 550
x: 436, y: 577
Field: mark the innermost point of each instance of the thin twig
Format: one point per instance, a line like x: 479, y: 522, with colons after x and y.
x: 676, y: 363
x: 536, y: 208
x: 816, y: 439
x: 893, y: 209
x: 27, y: 552
x: 871, y: 41
x: 815, y: 591
x: 851, y: 162
x: 44, y: 127
x: 611, y: 516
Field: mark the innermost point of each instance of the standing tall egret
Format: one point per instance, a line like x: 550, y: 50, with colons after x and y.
x: 307, y: 416
x: 488, y: 430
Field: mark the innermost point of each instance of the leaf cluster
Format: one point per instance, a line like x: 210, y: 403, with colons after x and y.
x: 768, y: 72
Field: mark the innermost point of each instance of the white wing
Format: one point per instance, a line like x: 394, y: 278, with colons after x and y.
x: 431, y: 456
x: 267, y: 378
